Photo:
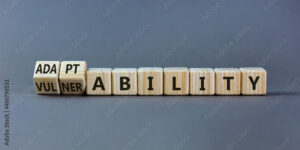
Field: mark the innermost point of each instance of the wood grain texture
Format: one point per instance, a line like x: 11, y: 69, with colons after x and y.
x: 98, y: 81
x: 254, y: 81
x: 45, y: 77
x: 176, y: 81
x: 150, y: 81
x: 197, y: 75
x: 222, y: 80
x: 124, y: 81
x: 72, y: 77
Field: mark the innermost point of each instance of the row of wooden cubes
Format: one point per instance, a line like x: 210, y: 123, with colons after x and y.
x: 73, y: 77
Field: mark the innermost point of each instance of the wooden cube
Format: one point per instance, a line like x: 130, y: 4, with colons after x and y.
x: 46, y: 77
x: 254, y: 81
x: 176, y: 81
x: 72, y: 77
x: 124, y: 81
x: 150, y: 81
x: 98, y: 81
x: 228, y: 81
x: 202, y: 81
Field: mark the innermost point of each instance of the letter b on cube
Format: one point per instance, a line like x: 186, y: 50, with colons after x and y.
x: 124, y: 81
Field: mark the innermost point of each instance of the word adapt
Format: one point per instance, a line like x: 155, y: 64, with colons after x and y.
x: 73, y: 77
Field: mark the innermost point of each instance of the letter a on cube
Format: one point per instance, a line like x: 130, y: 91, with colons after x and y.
x: 46, y: 77
x: 254, y: 81
x: 98, y: 81
x: 124, y: 81
x: 72, y: 77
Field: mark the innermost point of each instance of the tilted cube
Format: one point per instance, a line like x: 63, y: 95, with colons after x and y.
x: 46, y: 77
x: 72, y: 77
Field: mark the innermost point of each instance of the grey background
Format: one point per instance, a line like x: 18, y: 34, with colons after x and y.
x: 215, y: 33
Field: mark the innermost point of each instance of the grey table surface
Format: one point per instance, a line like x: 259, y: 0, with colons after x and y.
x: 215, y: 33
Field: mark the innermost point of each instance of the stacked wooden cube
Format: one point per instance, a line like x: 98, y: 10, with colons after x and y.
x: 73, y: 77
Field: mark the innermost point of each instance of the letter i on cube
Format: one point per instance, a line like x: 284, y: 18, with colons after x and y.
x: 150, y: 81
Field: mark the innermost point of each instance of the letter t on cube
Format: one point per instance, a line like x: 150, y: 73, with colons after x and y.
x: 72, y: 77
x: 228, y: 81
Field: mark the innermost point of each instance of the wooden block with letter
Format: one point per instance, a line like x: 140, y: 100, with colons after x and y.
x: 176, y: 81
x: 72, y: 77
x: 228, y: 81
x: 202, y: 81
x: 46, y: 77
x: 150, y: 81
x: 98, y: 81
x: 254, y: 81
x: 124, y: 81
